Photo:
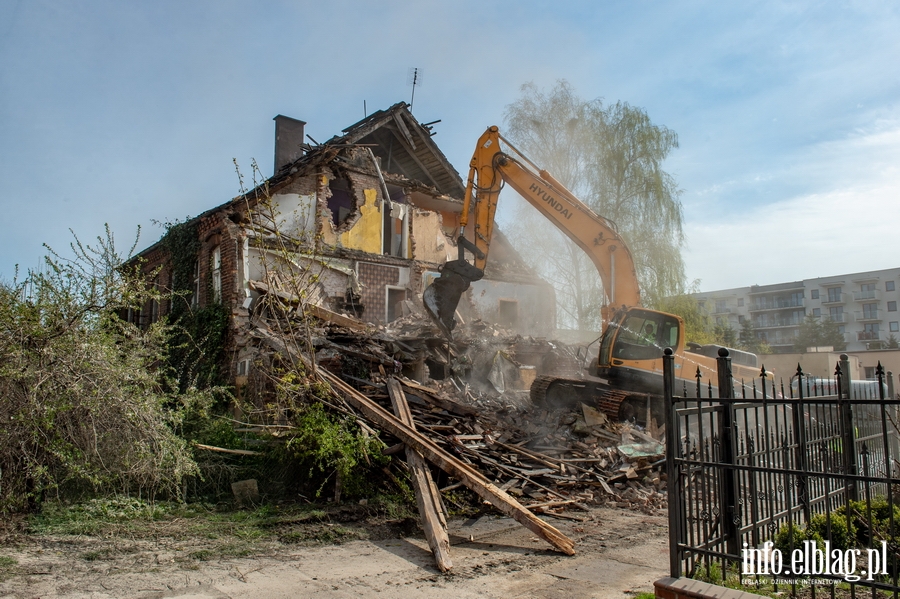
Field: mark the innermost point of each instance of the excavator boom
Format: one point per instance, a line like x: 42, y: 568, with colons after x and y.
x: 489, y: 170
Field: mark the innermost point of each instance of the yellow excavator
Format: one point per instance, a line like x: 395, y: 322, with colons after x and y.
x: 626, y: 379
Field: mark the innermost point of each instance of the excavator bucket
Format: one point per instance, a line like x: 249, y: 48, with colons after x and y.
x: 442, y: 297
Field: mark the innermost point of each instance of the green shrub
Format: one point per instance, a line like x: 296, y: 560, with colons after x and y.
x: 86, y: 407
x: 790, y: 537
x: 842, y: 535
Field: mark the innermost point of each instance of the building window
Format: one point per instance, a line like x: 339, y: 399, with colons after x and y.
x: 154, y: 303
x: 508, y: 313
x: 892, y: 306
x: 740, y: 319
x: 870, y: 311
x: 740, y: 302
x: 216, y: 274
x: 195, y: 294
x: 720, y: 306
x: 836, y: 313
x: 870, y: 371
x: 895, y: 327
x: 817, y: 312
x: 888, y: 285
x: 834, y: 294
x: 814, y: 294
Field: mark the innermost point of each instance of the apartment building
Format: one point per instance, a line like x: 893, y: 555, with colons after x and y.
x: 863, y: 304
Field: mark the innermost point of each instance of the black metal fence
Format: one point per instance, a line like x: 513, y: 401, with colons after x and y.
x: 785, y: 486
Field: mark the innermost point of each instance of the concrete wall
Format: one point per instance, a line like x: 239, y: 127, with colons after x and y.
x: 822, y: 364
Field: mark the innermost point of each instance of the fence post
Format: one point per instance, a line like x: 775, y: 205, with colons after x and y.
x: 890, y: 384
x: 848, y: 440
x: 732, y: 517
x: 673, y: 470
x: 800, y: 462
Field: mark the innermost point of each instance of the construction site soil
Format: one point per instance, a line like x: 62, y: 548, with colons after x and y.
x: 620, y: 553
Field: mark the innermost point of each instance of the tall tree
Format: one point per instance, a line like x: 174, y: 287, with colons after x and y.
x: 610, y: 157
x: 814, y: 333
x: 698, y: 326
x: 749, y: 341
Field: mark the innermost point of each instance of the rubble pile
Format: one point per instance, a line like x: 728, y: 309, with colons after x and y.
x: 464, y: 405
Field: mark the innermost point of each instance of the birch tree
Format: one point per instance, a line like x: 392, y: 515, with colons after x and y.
x: 609, y: 156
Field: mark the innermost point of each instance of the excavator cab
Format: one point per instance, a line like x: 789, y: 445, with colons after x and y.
x: 633, y: 336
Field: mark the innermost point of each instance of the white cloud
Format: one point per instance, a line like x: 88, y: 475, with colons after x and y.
x: 851, y: 225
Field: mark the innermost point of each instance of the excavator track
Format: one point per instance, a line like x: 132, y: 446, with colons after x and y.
x: 555, y: 392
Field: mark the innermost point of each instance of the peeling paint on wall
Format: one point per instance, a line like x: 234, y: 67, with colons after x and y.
x: 365, y: 235
x: 431, y: 244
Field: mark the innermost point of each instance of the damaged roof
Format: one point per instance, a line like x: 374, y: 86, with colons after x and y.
x: 405, y: 148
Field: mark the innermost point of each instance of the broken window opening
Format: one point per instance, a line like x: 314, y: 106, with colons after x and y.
x: 394, y: 308
x: 396, y: 224
x: 341, y: 202
x: 508, y: 313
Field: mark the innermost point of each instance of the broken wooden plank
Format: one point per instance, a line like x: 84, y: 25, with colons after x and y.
x: 223, y: 450
x: 452, y: 466
x: 335, y: 318
x: 432, y: 396
x: 429, y: 508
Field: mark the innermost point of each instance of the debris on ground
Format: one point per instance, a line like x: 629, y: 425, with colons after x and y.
x: 463, y: 406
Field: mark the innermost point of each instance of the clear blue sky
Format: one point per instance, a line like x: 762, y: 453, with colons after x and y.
x: 787, y: 112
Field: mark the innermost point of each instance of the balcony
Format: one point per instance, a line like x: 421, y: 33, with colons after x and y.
x: 833, y: 299
x: 775, y: 305
x: 871, y: 294
x: 771, y: 324
x: 867, y: 336
x: 843, y: 317
x: 722, y: 311
x: 869, y: 315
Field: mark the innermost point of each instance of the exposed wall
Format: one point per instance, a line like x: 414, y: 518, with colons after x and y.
x: 365, y: 234
x: 295, y: 215
x: 536, y: 305
x: 430, y: 242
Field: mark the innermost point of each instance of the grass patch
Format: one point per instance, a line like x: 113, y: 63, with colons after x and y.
x: 206, y: 532
x: 7, y: 567
x: 93, y: 556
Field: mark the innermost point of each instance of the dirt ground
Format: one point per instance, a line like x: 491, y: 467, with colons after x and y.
x: 619, y: 553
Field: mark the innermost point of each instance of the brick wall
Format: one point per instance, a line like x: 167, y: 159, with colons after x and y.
x: 685, y: 588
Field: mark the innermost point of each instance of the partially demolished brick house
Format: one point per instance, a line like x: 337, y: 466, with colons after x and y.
x: 373, y: 212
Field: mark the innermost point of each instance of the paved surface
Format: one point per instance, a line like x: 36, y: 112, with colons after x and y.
x: 619, y: 552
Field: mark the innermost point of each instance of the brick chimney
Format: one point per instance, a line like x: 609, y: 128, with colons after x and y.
x: 288, y: 140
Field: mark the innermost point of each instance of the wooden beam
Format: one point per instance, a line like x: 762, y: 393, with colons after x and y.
x: 223, y: 450
x: 429, y: 507
x: 431, y: 396
x: 437, y: 456
x: 335, y: 318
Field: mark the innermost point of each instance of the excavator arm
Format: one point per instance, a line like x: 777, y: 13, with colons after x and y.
x: 489, y: 170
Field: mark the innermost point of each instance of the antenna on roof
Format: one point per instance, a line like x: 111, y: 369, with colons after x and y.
x: 414, y: 79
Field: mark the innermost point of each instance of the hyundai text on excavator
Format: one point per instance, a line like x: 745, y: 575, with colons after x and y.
x: 626, y: 380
